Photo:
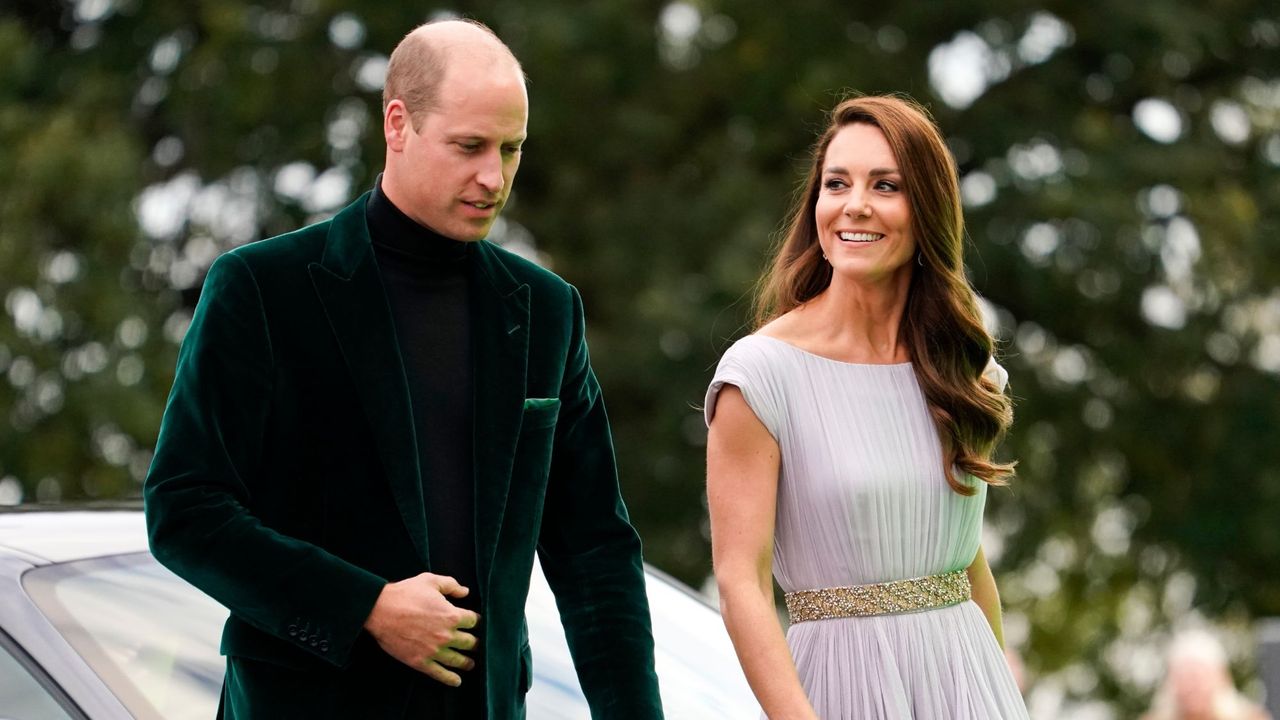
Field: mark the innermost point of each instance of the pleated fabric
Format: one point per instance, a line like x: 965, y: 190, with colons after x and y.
x: 862, y: 499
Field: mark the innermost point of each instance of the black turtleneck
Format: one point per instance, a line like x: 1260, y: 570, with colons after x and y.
x: 425, y: 276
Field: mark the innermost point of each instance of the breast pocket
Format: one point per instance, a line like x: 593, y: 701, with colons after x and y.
x: 540, y: 413
x: 537, y: 436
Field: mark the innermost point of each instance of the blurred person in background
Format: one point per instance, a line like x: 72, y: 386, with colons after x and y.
x: 1198, y: 684
x: 850, y: 445
x: 1017, y: 667
x: 376, y: 420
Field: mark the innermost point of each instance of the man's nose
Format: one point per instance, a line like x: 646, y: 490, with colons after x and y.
x: 489, y: 176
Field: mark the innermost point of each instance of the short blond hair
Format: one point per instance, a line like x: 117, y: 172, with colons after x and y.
x: 417, y: 67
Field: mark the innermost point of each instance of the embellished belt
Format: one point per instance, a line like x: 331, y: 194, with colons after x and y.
x: 899, y: 596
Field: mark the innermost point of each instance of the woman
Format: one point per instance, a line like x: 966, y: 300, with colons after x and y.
x: 850, y: 445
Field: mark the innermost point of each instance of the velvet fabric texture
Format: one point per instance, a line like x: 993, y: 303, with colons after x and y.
x: 285, y: 482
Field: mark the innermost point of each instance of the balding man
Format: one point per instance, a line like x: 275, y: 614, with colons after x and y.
x: 377, y: 419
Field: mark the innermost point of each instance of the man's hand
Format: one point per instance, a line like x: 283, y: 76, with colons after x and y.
x: 414, y: 622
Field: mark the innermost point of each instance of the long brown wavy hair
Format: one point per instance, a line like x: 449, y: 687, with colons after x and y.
x: 942, y: 328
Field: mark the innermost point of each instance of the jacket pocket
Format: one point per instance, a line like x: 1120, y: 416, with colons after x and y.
x: 540, y: 413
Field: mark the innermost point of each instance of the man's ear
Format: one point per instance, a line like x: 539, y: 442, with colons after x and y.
x: 395, y: 125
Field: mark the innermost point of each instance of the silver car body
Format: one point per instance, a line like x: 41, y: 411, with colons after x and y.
x: 92, y: 627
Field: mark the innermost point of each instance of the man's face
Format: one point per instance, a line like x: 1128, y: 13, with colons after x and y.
x: 453, y: 173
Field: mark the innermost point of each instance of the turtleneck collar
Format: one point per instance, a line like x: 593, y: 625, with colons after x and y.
x: 395, y: 232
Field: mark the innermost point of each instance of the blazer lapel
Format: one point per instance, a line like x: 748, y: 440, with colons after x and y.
x: 500, y: 348
x: 350, y: 289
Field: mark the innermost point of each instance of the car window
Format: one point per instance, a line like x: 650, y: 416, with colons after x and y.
x: 22, y: 696
x: 153, y: 639
x: 150, y: 636
x: 698, y: 672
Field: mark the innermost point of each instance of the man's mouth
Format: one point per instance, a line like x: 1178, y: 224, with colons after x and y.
x: 860, y: 237
x: 481, y: 205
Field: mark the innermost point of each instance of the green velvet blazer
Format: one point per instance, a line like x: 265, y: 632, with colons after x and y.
x: 285, y: 482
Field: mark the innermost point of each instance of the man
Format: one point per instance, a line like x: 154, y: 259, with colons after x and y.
x: 377, y: 418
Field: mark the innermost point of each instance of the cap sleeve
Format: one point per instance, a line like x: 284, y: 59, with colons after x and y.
x: 746, y: 368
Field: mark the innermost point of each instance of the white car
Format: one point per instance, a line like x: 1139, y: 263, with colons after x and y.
x: 93, y: 628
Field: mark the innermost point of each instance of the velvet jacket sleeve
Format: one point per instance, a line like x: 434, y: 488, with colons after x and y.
x: 200, y: 490
x: 590, y: 553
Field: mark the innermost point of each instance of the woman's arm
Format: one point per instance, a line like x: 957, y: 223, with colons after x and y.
x: 742, y: 486
x: 985, y: 593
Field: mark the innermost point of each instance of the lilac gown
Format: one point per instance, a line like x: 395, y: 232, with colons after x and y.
x: 862, y: 499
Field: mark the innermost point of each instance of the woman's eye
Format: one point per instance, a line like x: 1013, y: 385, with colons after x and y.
x: 886, y: 185
x: 833, y: 184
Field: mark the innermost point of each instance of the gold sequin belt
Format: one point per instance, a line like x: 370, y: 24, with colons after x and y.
x: 899, y: 596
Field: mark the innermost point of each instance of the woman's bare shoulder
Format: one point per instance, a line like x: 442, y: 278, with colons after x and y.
x: 786, y: 327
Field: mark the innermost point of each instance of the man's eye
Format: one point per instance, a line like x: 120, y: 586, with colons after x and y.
x: 468, y: 147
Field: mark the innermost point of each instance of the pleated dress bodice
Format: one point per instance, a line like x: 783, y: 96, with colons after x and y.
x: 862, y: 499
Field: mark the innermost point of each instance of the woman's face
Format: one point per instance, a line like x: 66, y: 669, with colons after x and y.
x: 862, y: 213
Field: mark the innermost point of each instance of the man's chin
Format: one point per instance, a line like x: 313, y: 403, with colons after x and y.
x: 476, y: 234
x: 469, y: 234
